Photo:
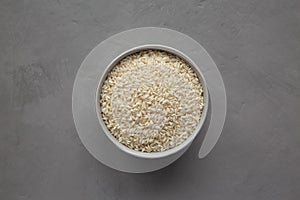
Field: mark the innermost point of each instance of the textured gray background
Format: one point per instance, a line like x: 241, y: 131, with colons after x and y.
x: 256, y: 45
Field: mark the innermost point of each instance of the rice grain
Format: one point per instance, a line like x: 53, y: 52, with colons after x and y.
x: 151, y: 101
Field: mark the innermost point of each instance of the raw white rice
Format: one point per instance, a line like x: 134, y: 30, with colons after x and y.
x: 151, y: 101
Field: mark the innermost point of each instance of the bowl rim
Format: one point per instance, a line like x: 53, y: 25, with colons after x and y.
x: 168, y: 152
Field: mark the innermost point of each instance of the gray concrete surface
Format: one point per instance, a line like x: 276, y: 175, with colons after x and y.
x: 256, y: 45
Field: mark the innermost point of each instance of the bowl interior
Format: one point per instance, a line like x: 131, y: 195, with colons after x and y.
x: 173, y: 150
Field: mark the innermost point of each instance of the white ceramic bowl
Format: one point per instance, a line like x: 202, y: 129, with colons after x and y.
x: 153, y: 155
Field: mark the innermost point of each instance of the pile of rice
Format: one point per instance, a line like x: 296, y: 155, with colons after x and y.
x: 151, y: 101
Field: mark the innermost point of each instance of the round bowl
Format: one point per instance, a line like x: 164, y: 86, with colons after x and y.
x: 175, y: 150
